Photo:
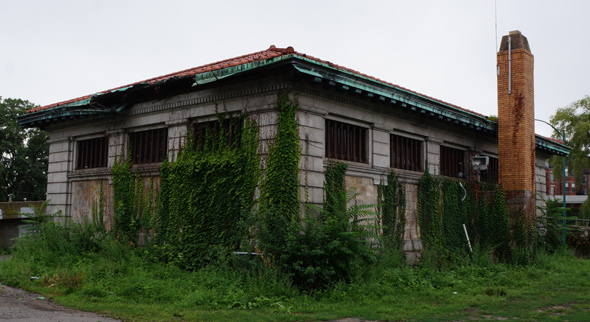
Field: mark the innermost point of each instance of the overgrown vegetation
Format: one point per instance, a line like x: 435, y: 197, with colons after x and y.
x: 448, y: 208
x: 132, y: 284
x: 212, y: 250
x: 207, y: 196
x: 391, y: 202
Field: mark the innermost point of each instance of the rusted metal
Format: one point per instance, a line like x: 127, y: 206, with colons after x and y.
x: 92, y: 153
x: 231, y: 127
x: 452, y: 161
x: 406, y: 153
x: 149, y: 146
x: 346, y: 141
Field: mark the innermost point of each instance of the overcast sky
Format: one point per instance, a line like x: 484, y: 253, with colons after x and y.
x: 51, y: 51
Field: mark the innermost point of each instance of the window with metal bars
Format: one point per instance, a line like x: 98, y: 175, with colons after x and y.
x: 149, y: 146
x: 92, y: 153
x: 491, y: 174
x: 406, y: 153
x: 452, y: 161
x: 206, y: 133
x: 346, y: 141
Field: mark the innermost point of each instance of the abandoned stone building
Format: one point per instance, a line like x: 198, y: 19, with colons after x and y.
x: 370, y: 124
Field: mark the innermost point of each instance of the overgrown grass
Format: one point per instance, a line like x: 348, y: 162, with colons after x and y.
x: 113, y: 278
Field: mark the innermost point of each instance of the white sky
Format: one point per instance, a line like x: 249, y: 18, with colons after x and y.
x: 51, y: 51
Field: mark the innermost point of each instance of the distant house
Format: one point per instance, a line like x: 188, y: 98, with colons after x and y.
x: 370, y: 124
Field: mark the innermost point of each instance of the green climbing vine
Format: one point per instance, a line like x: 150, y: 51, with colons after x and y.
x: 207, y: 195
x: 429, y: 217
x: 279, y: 210
x: 446, y: 205
x: 134, y: 202
x: 123, y: 199
x: 391, y: 204
x: 280, y: 189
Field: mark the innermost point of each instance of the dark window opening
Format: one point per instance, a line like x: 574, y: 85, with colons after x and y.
x: 209, y: 134
x: 92, y: 153
x: 452, y: 162
x: 406, y: 153
x: 346, y: 142
x: 149, y: 146
x: 491, y: 174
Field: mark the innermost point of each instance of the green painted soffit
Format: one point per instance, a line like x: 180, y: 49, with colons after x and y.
x: 552, y: 147
x: 323, y: 72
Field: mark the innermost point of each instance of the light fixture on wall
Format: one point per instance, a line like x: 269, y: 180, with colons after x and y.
x: 479, y: 163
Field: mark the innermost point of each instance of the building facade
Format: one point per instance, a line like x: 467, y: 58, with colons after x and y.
x: 370, y: 124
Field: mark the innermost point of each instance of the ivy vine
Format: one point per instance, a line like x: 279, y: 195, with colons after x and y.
x: 391, y: 204
x: 207, y: 196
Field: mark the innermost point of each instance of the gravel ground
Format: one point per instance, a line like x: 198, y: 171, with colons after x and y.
x: 22, y: 306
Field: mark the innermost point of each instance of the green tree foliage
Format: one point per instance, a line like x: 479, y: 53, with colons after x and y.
x: 575, y: 119
x: 24, y: 158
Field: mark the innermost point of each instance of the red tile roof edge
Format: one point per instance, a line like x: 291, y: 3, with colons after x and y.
x: 271, y: 52
x: 551, y: 139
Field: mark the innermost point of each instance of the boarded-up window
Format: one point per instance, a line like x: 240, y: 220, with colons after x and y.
x: 92, y: 153
x: 406, y: 153
x: 346, y: 141
x: 491, y: 174
x: 149, y: 146
x: 207, y: 133
x: 452, y: 161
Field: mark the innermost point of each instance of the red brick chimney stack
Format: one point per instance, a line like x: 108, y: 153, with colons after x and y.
x: 516, y: 123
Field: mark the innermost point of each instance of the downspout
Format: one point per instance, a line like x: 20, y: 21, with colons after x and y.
x: 509, y: 66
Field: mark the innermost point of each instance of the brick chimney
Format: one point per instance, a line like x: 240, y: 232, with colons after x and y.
x: 516, y: 123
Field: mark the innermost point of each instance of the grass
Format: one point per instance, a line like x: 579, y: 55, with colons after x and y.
x: 132, y: 284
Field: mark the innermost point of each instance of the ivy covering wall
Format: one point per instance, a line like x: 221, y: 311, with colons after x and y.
x: 445, y: 205
x: 391, y: 202
x: 207, y: 196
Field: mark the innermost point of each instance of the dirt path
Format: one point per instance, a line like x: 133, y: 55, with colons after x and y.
x: 19, y: 305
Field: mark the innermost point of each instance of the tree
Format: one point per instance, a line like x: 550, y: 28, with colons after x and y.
x: 24, y: 158
x: 575, y: 119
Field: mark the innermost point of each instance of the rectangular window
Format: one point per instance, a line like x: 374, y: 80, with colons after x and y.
x: 584, y: 180
x: 92, y: 153
x: 573, y: 187
x: 491, y: 174
x: 552, y: 179
x: 452, y: 162
x: 205, y: 133
x: 406, y: 153
x: 149, y: 146
x: 552, y: 191
x: 346, y: 141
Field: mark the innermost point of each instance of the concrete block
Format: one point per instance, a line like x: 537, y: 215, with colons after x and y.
x: 311, y: 120
x: 314, y: 179
x: 314, y: 135
x: 56, y: 199
x: 381, y: 137
x: 380, y: 148
x: 313, y: 150
x: 53, y: 167
x: 380, y: 160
